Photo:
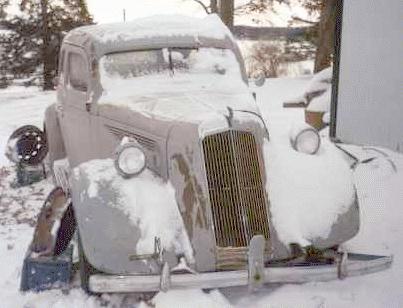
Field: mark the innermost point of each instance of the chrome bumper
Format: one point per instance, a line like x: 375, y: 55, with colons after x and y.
x: 353, y: 265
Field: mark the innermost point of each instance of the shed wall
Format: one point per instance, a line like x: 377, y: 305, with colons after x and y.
x: 370, y: 86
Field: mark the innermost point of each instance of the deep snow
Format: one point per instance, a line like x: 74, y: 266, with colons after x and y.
x: 379, y: 190
x: 320, y: 183
x: 149, y: 203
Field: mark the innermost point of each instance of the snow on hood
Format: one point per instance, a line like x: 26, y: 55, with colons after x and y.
x: 201, y: 99
x: 307, y: 192
x: 195, y: 106
x: 149, y: 203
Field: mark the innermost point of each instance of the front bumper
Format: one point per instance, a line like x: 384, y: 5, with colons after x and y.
x: 353, y: 265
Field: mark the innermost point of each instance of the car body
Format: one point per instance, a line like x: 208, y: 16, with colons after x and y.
x: 177, y: 88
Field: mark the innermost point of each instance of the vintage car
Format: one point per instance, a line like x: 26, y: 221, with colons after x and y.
x: 158, y: 143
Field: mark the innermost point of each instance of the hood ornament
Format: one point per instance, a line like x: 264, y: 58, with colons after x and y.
x: 230, y: 116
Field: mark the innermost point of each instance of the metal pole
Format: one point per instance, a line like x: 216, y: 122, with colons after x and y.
x: 124, y: 15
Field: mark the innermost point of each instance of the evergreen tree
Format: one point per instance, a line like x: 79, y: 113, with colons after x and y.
x: 31, y: 49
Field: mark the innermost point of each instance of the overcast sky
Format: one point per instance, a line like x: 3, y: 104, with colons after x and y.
x: 112, y: 11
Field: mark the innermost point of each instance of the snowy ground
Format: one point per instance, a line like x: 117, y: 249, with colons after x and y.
x: 379, y: 184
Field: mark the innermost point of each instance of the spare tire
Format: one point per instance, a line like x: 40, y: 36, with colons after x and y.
x: 27, y: 145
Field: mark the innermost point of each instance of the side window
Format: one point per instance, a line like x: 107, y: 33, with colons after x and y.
x: 78, y: 72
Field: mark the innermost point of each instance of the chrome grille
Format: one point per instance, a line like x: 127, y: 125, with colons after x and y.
x: 235, y: 187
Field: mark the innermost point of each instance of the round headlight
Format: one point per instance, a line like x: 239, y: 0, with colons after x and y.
x: 130, y: 160
x: 305, y: 139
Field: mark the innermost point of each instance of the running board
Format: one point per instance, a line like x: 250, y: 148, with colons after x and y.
x: 353, y: 265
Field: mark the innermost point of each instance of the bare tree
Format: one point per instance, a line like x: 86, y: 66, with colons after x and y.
x: 210, y: 8
x: 227, y: 12
x: 323, y: 29
x: 225, y: 8
x: 265, y: 58
x: 326, y: 30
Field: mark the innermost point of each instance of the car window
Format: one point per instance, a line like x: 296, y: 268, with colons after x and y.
x: 175, y: 60
x: 135, y: 64
x: 78, y: 72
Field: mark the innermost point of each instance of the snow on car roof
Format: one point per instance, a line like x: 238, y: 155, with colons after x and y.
x: 153, y: 32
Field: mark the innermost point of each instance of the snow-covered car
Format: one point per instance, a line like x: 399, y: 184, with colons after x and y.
x: 158, y: 141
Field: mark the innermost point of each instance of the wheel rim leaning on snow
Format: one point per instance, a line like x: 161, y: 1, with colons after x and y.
x: 30, y: 146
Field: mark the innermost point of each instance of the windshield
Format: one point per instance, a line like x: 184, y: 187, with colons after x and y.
x: 194, y: 67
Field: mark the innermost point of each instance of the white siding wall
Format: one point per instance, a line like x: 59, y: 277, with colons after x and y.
x: 370, y: 96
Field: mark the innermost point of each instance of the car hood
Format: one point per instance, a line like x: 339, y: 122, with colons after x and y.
x: 207, y: 109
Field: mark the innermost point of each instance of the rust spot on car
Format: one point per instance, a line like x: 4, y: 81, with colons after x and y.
x: 192, y: 197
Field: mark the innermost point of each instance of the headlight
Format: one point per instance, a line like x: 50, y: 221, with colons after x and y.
x: 305, y: 139
x: 130, y: 160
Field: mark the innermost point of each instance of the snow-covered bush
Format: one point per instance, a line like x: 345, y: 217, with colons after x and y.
x: 265, y: 57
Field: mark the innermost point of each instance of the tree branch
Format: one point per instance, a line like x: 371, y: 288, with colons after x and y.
x: 296, y: 18
x: 205, y: 7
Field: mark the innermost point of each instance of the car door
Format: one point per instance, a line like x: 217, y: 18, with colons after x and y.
x: 76, y: 117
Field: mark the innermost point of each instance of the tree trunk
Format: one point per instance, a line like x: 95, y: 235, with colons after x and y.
x: 213, y: 6
x: 227, y: 12
x: 46, y: 53
x: 3, y: 6
x: 325, y: 46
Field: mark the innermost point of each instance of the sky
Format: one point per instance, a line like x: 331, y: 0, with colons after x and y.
x: 112, y: 11
x: 103, y: 11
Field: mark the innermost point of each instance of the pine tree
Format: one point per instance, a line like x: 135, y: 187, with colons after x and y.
x: 32, y: 48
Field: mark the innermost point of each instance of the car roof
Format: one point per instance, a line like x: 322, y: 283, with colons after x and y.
x: 152, y: 32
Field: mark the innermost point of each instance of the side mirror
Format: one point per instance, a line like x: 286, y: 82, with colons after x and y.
x: 27, y: 146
